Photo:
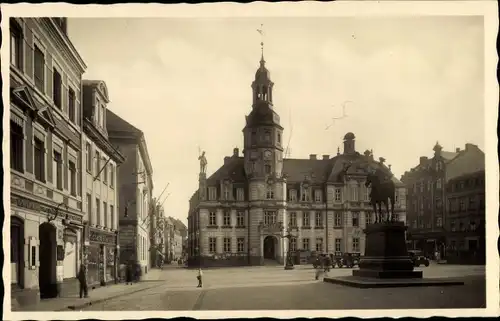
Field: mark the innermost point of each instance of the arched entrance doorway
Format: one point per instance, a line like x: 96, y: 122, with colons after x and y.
x: 47, y: 256
x: 270, y: 244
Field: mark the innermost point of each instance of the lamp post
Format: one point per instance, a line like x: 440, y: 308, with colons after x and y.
x: 289, y: 262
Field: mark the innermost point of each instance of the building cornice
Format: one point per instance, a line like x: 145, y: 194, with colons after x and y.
x: 95, y: 135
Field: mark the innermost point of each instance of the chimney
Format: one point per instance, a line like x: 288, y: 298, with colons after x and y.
x: 469, y: 146
x: 226, y: 160
x: 457, y: 150
x: 312, y: 157
x: 423, y: 159
x: 236, y: 152
x: 325, y: 157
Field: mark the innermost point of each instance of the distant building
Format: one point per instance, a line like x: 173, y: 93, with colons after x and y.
x: 241, y: 213
x: 135, y: 177
x: 100, y: 186
x: 47, y: 214
x: 427, y: 194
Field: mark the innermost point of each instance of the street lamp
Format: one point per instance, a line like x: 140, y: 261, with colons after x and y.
x: 289, y: 262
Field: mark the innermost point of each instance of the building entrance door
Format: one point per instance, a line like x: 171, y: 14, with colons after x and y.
x: 270, y: 247
x: 47, y: 274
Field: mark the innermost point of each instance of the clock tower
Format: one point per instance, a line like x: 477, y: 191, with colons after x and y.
x: 263, y: 158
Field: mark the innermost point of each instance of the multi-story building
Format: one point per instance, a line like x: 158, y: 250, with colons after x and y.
x: 241, y: 214
x: 465, y: 223
x: 427, y: 195
x: 136, y: 188
x: 168, y: 228
x: 45, y: 158
x: 100, y: 185
x: 157, y: 234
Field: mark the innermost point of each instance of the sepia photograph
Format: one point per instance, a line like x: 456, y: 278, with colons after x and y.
x: 259, y: 158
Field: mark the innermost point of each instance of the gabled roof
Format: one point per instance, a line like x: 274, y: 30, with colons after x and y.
x: 316, y: 170
x: 99, y: 85
x: 467, y: 161
x: 448, y: 156
x: 233, y: 169
x: 116, y: 124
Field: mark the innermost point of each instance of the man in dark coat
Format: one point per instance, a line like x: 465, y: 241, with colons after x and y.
x: 82, y: 279
x: 128, y: 273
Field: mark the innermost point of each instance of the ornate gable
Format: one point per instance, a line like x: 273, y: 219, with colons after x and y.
x: 23, y: 95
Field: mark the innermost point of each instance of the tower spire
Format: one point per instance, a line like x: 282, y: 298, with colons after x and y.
x: 261, y: 31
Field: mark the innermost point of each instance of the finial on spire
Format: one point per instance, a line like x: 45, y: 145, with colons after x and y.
x: 261, y: 31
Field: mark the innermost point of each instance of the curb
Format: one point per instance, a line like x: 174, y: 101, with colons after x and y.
x: 89, y: 303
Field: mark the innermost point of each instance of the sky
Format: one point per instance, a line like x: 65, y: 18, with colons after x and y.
x: 185, y: 82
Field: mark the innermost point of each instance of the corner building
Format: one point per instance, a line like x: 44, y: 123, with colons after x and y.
x: 241, y: 214
x: 46, y: 214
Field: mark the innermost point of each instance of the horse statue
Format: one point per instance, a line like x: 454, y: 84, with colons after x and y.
x: 383, y: 191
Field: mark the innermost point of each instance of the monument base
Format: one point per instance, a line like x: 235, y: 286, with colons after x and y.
x: 386, y: 262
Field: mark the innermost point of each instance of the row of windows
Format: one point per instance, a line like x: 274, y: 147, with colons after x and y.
x: 419, y: 205
x: 226, y: 219
x: 465, y: 184
x: 227, y: 245
x: 266, y: 138
x: 427, y: 185
x: 18, y: 154
x: 107, y: 220
x: 143, y: 247
x: 39, y: 72
x: 99, y: 166
x: 463, y: 204
x: 422, y: 222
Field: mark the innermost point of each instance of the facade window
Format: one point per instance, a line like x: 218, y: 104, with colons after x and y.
x: 267, y: 168
x: 319, y: 244
x: 102, y: 116
x: 293, y: 195
x: 279, y: 138
x: 226, y: 193
x: 39, y: 69
x: 319, y: 219
x: 293, y: 244
x: 240, y: 218
x: 396, y: 217
x: 89, y: 208
x: 267, y: 136
x: 414, y: 224
x: 97, y: 165
x: 96, y: 112
x: 305, y: 244
x: 439, y: 221
x: 338, y: 195
x: 212, y: 219
x: 105, y: 172
x: 212, y: 245
x: 366, y: 196
x: 439, y: 204
x: 72, y: 178
x: 56, y: 88
x: 241, y: 244
x: 355, y: 219
x: 269, y: 217
x: 269, y: 193
x: 71, y: 106
x: 355, y: 244
x: 306, y: 220
x: 212, y: 194
x: 439, y: 183
x: 305, y: 195
x: 105, y: 214
x: 253, y: 137
x: 111, y: 175
x: 338, y: 219
x: 317, y: 196
x: 461, y: 204
x: 472, y: 202
x: 338, y: 245
x: 39, y: 158
x: 112, y: 215
x: 16, y: 147
x: 16, y: 45
x: 227, y: 218
x: 354, y: 193
x: 88, y: 151
x: 98, y: 211
x: 227, y: 244
x: 240, y: 194
x: 368, y: 215
x: 293, y: 219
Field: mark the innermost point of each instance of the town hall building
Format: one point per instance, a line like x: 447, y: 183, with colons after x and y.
x: 260, y: 206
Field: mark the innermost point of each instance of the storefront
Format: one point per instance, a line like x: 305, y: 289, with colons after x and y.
x: 38, y: 249
x: 102, y: 257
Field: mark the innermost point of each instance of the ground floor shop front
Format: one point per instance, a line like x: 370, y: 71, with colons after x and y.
x: 102, y: 257
x: 45, y: 249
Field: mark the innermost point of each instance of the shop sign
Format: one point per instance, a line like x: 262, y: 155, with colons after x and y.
x: 48, y: 210
x: 100, y: 237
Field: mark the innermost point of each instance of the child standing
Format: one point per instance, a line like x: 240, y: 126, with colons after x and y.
x: 199, y: 277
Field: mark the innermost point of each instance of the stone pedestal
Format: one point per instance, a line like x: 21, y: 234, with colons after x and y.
x: 386, y: 255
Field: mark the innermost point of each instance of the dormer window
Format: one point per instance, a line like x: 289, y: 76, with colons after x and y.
x: 102, y: 116
x: 293, y: 195
x: 212, y: 194
x: 226, y: 192
x: 96, y: 112
x: 270, y: 193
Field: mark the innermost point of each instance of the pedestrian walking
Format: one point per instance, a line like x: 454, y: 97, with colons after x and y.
x: 200, y: 278
x: 82, y: 279
x: 319, y: 268
x: 128, y: 273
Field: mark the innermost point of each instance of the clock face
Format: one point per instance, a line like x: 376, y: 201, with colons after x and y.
x: 267, y: 154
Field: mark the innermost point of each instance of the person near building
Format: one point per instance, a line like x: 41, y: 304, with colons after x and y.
x: 128, y: 273
x: 200, y: 278
x: 82, y: 279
